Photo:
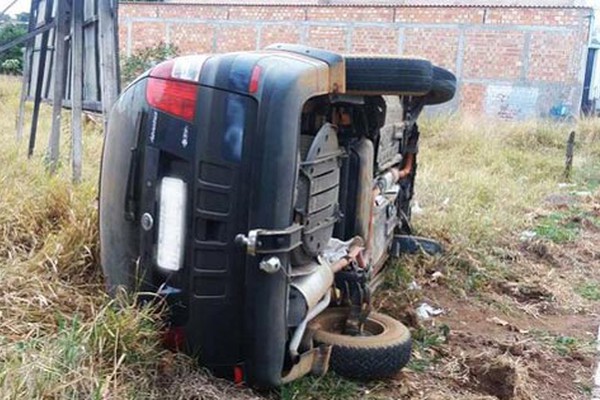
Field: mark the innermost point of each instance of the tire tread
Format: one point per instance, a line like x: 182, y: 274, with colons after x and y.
x: 388, y: 75
x: 372, y: 363
x: 364, y: 357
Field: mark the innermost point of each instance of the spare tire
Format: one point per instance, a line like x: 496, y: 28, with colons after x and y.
x: 443, y: 87
x: 382, y: 352
x: 388, y: 75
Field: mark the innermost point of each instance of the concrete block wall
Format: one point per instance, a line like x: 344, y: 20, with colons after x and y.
x: 513, y: 63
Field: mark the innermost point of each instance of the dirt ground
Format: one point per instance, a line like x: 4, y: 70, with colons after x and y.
x: 530, y: 334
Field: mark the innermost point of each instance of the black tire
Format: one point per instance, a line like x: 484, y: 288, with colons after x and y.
x: 378, y: 356
x: 443, y: 87
x: 388, y: 75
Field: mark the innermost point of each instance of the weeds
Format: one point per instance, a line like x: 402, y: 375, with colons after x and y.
x: 85, y: 359
x: 590, y: 291
x: 328, y: 387
x: 426, y: 343
x: 564, y: 345
x: 400, y: 275
x: 564, y: 226
x: 558, y: 228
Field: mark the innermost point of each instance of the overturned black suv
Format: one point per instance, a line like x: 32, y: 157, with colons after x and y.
x: 260, y: 194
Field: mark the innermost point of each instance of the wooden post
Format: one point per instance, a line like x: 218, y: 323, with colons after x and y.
x: 569, y: 159
x: 60, y: 74
x: 77, y: 90
x: 28, y: 61
x: 37, y: 100
x: 109, y: 55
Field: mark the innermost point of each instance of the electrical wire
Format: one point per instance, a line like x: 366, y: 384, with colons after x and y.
x: 8, y: 7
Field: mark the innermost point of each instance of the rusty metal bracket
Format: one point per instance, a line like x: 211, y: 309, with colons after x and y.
x: 262, y: 241
x: 314, y: 362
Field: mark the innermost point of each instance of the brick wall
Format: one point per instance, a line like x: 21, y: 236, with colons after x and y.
x: 511, y: 62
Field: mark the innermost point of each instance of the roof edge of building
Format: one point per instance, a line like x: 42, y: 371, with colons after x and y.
x: 400, y: 4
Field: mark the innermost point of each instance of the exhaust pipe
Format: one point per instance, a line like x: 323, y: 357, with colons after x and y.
x: 311, y: 293
x: 313, y: 287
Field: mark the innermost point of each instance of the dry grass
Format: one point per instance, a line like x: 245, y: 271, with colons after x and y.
x: 61, y: 337
x: 479, y: 179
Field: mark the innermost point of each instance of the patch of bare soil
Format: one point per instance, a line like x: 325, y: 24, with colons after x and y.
x: 507, y: 357
x: 527, y: 333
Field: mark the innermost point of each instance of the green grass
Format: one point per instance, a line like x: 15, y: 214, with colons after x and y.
x: 425, y: 342
x: 564, y: 226
x: 558, y: 228
x: 399, y: 276
x: 565, y: 345
x: 328, y: 387
x: 590, y: 291
x: 85, y: 359
x: 333, y: 387
x: 585, y: 389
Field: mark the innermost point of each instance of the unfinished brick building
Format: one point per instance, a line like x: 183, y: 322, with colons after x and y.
x: 515, y: 59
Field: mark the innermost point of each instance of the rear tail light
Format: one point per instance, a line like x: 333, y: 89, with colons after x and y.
x: 172, y: 97
x: 173, y: 86
x: 255, y: 79
x: 238, y: 375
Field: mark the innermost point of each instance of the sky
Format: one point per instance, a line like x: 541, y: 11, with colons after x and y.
x: 20, y: 6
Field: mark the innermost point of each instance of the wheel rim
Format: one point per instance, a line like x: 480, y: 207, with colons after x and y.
x: 336, y: 323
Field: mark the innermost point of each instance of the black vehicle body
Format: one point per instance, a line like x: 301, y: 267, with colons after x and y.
x: 254, y: 212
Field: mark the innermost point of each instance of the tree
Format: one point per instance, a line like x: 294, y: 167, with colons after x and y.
x: 146, y: 58
x: 22, y: 17
x: 8, y: 33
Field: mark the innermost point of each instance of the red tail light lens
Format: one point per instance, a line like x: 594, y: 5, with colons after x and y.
x: 255, y: 80
x: 174, y: 338
x: 238, y: 375
x: 177, y: 98
x: 173, y: 86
